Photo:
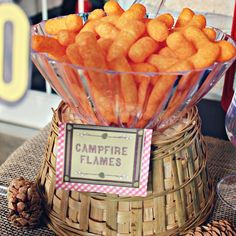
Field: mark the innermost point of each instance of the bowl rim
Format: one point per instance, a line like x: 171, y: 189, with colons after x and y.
x: 150, y: 74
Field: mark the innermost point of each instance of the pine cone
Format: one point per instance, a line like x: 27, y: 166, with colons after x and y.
x: 222, y: 227
x: 24, y: 203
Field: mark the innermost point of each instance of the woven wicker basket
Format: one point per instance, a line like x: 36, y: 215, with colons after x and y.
x: 179, y: 193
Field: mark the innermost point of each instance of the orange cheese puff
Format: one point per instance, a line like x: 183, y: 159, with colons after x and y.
x: 181, y: 46
x: 206, y: 55
x: 110, y: 19
x: 210, y: 33
x: 127, y: 84
x: 54, y: 26
x: 96, y: 14
x: 90, y: 26
x: 157, y: 30
x: 107, y: 30
x: 142, y: 49
x: 167, y: 19
x: 93, y: 57
x: 198, y: 21
x: 184, y: 18
x: 74, y: 22
x: 158, y: 95
x: 179, y: 66
x: 167, y: 52
x: 135, y: 12
x: 125, y: 39
x: 162, y: 63
x: 142, y: 67
x: 66, y: 37
x: 123, y: 113
x: 113, y: 8
x: 227, y: 51
x: 105, y: 44
x: 48, y: 45
x: 196, y: 37
x: 142, y: 94
x: 72, y: 52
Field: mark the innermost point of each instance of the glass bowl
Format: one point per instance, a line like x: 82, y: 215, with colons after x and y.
x: 127, y: 99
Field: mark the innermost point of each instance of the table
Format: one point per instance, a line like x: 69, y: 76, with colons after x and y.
x: 27, y: 159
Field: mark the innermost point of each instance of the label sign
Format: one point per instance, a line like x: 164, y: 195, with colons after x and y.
x: 103, y: 159
x: 14, y: 52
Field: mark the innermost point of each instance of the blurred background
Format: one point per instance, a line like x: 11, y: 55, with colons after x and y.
x: 21, y: 122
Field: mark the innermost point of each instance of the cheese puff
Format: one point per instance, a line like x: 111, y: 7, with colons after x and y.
x: 66, y: 37
x: 184, y: 18
x: 181, y: 47
x: 105, y: 44
x: 110, y: 19
x: 127, y: 83
x: 90, y: 26
x: 113, y: 8
x: 142, y: 49
x: 72, y: 52
x: 157, y: 30
x: 162, y: 63
x: 196, y: 37
x: 198, y: 21
x: 167, y: 19
x: 124, y: 115
x: 93, y: 57
x: 205, y: 56
x: 142, y: 67
x: 107, y: 30
x: 162, y: 88
x: 48, y: 45
x: 54, y: 26
x: 227, y: 51
x: 135, y: 12
x: 125, y: 39
x: 73, y: 22
x: 210, y: 33
x: 167, y: 52
x: 96, y: 14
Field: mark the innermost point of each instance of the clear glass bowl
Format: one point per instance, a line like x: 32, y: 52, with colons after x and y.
x: 127, y: 99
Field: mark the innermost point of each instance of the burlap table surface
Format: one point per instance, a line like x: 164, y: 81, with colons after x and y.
x: 26, y: 161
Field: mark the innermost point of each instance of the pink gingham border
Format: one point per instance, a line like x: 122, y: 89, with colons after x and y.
x: 122, y: 191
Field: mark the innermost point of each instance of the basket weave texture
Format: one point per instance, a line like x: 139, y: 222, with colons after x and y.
x: 179, y: 193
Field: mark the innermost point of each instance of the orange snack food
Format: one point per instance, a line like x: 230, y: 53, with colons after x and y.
x: 210, y: 33
x: 184, y: 18
x: 227, y: 51
x: 73, y: 22
x: 72, y: 52
x: 182, y: 48
x: 183, y: 65
x: 105, y: 44
x: 127, y: 83
x: 161, y: 62
x: 110, y: 19
x: 96, y: 14
x: 196, y: 37
x: 125, y: 39
x: 113, y: 8
x: 198, y: 21
x: 167, y: 52
x: 205, y: 56
x: 48, y: 45
x: 142, y: 49
x: 54, y: 26
x: 135, y: 12
x: 107, y: 30
x: 167, y: 19
x: 66, y: 37
x: 90, y: 26
x: 93, y: 57
x: 157, y: 30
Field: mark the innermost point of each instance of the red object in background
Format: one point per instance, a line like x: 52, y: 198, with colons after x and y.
x: 87, y: 6
x: 228, y: 91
